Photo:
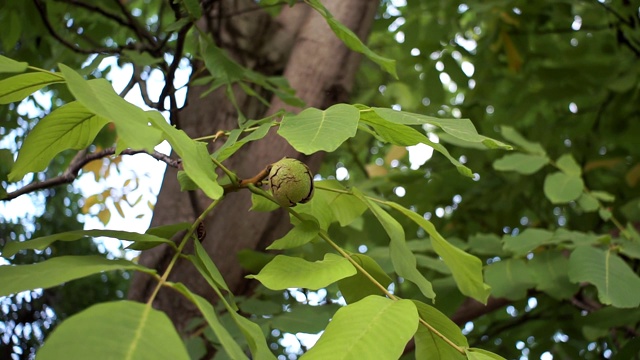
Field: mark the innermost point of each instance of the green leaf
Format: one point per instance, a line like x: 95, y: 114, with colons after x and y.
x: 99, y: 97
x: 431, y: 346
x: 314, y: 130
x: 232, y: 145
x: 20, y: 86
x: 404, y: 261
x: 352, y: 41
x: 617, y: 284
x: 550, y: 269
x: 286, y: 272
x: 210, y: 267
x: 229, y: 345
x: 194, y: 154
x: 462, y: 129
x: 115, y: 330
x: 486, y: 244
x: 568, y: 165
x: 509, y: 278
x: 219, y: 64
x: 193, y: 8
x: 512, y: 135
x: 526, y: 241
x: 8, y: 65
x: 261, y: 203
x: 57, y: 270
x: 372, y: 328
x: 305, y: 318
x: 561, y: 188
x: 603, y: 196
x: 480, y: 354
x: 358, y: 286
x: 141, y: 58
x: 521, y: 163
x: 588, y: 202
x: 301, y: 234
x: 71, y: 126
x: 345, y: 207
x: 399, y: 134
x: 41, y: 243
x: 255, y: 337
x: 186, y: 184
x: 466, y: 268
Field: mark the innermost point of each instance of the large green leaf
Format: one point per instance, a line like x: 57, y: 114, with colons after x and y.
x: 99, y: 97
x: 352, y: 41
x: 345, y: 207
x: 195, y: 156
x: 462, y: 129
x: 358, y: 286
x: 20, y: 86
x: 41, y: 243
x: 8, y: 65
x: 286, y: 272
x: 466, y: 268
x: 314, y: 130
x: 115, y: 330
x: 526, y: 241
x: 568, y: 165
x: 522, y: 163
x: 71, y: 126
x: 550, y: 269
x: 372, y: 328
x: 431, y: 346
x: 617, y: 284
x: 399, y: 134
x: 512, y: 135
x: 404, y: 261
x: 305, y: 318
x: 560, y: 188
x: 301, y: 234
x: 220, y: 66
x: 480, y: 354
x: 509, y: 278
x: 57, y: 270
x: 208, y: 312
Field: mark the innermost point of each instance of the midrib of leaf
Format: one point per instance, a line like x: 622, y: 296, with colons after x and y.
x: 60, y: 138
x: 315, y: 136
x: 368, y: 328
x: 138, y: 334
x: 43, y: 82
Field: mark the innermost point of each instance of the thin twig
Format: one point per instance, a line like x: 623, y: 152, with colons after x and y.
x: 78, y: 162
x: 96, y: 9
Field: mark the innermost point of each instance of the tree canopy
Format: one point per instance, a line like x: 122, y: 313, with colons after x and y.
x: 478, y: 194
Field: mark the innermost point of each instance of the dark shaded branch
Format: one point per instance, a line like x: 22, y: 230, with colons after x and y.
x: 169, y: 88
x: 142, y: 33
x: 472, y: 309
x: 74, y: 47
x: 78, y: 162
x: 96, y: 9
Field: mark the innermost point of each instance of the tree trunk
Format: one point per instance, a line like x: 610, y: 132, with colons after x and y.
x: 297, y: 42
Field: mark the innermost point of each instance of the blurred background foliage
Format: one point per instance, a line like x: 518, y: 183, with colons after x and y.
x: 562, y: 74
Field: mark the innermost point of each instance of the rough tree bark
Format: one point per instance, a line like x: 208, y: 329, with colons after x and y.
x: 297, y: 43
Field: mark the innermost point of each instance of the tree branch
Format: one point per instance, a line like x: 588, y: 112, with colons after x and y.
x: 74, y: 47
x: 79, y: 161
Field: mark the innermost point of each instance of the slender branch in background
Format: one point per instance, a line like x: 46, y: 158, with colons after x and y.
x: 169, y: 88
x: 74, y: 47
x: 143, y: 90
x: 96, y: 9
x: 143, y: 34
x: 78, y: 162
x: 132, y: 82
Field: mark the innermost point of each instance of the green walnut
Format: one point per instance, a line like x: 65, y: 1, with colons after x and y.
x: 291, y: 182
